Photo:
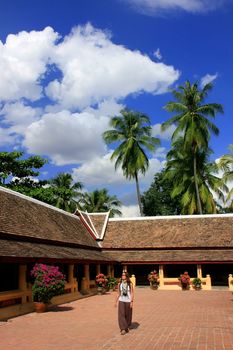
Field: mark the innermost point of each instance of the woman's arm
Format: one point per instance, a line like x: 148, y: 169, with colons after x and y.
x: 132, y: 294
x: 118, y: 294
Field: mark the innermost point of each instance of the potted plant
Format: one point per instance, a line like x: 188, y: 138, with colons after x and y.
x: 196, y: 283
x: 48, y: 282
x: 153, y: 278
x: 112, y: 282
x: 101, y: 282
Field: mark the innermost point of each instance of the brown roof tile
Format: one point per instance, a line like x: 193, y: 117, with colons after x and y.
x: 195, y: 231
x: 23, y: 216
x: 19, y: 249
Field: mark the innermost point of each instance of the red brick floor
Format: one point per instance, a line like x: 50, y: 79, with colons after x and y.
x: 162, y: 320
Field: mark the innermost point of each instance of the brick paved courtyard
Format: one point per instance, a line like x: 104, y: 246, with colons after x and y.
x: 162, y: 320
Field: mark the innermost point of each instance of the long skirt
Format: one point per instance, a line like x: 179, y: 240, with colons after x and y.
x: 124, y: 315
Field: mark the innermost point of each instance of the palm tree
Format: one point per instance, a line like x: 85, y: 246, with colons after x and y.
x: 226, y: 164
x: 132, y: 133
x: 193, y: 122
x: 66, y: 192
x: 179, y: 171
x: 100, y: 201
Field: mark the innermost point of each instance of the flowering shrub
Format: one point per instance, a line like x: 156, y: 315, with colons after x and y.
x: 101, y: 280
x: 185, y: 280
x: 153, y: 277
x: 49, y: 282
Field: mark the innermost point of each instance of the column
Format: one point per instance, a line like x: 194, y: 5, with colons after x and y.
x: 22, y: 281
x: 97, y: 269
x: 71, y: 277
x: 109, y: 270
x: 230, y: 282
x: 208, y: 282
x: 161, y: 276
x: 199, y: 271
x: 124, y: 268
x: 87, y: 276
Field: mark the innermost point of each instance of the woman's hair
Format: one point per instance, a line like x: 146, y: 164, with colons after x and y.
x: 127, y: 277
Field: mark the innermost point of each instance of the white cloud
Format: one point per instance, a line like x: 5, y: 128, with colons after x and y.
x: 106, y: 108
x: 95, y: 69
x: 23, y: 62
x: 157, y: 54
x: 208, y: 78
x: 153, y: 7
x: 18, y: 116
x: 6, y: 138
x: 165, y: 135
x: 101, y: 171
x: 67, y: 138
x: 130, y: 211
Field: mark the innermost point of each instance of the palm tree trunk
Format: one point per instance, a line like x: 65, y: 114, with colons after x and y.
x: 196, y: 184
x: 138, y: 194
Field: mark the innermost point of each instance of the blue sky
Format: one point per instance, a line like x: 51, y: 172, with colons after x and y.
x: 68, y: 66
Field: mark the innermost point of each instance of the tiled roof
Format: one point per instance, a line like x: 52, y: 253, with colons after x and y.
x: 25, y: 217
x: 12, y: 249
x: 170, y: 232
x: 32, y: 229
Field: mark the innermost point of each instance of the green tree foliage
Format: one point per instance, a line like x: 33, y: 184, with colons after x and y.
x: 66, y: 193
x: 132, y: 134
x: 12, y: 165
x: 179, y: 171
x: 158, y: 201
x: 36, y: 189
x: 193, y: 122
x: 100, y: 201
x: 226, y: 164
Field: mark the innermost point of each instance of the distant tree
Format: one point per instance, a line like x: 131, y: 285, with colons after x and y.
x: 100, y: 201
x: 132, y: 132
x: 36, y: 189
x: 179, y: 171
x: 66, y: 192
x: 193, y: 121
x: 226, y: 164
x: 12, y: 165
x: 157, y: 199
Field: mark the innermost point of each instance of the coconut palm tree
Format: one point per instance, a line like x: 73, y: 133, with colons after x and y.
x: 226, y: 164
x: 100, y: 201
x: 66, y: 192
x: 178, y: 169
x: 132, y: 133
x: 192, y: 120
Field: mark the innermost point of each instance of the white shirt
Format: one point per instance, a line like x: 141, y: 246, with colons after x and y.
x: 125, y: 298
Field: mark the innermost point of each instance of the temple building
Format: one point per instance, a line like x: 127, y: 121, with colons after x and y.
x: 84, y: 244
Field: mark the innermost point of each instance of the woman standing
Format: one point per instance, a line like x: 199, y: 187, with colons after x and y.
x: 125, y: 302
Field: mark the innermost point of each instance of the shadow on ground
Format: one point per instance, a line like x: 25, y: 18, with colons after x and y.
x: 57, y: 308
x: 134, y: 325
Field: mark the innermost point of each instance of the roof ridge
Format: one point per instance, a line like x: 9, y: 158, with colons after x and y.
x: 169, y: 217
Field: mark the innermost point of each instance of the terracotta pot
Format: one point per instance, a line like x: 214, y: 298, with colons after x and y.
x: 40, y: 306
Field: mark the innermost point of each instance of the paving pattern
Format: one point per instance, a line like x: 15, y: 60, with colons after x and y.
x: 162, y: 320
